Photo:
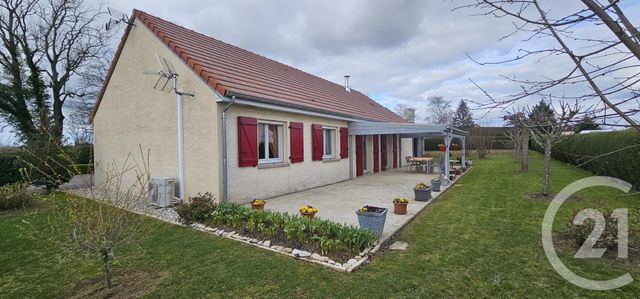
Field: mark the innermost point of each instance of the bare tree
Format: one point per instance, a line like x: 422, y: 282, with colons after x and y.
x: 519, y: 133
x: 406, y: 112
x: 547, y: 130
x: 480, y: 139
x: 439, y: 110
x: 602, y: 73
x: 101, y: 220
x: 47, y: 46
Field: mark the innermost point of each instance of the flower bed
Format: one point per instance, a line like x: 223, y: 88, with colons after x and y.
x: 335, y: 241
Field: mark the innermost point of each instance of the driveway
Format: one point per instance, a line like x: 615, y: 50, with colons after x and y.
x: 339, y: 202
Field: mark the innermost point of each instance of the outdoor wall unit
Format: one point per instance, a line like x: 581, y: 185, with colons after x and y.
x: 161, y: 191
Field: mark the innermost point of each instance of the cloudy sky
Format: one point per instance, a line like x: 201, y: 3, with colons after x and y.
x: 399, y: 51
x: 395, y: 51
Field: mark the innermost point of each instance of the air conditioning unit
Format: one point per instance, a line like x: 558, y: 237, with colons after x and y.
x: 161, y: 191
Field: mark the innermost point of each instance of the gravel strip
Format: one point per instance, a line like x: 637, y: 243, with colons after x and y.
x: 141, y: 207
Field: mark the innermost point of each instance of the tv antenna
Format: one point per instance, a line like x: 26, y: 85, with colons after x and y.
x: 167, y: 81
x: 116, y: 17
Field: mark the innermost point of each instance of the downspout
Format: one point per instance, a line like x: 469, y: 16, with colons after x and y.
x: 225, y: 166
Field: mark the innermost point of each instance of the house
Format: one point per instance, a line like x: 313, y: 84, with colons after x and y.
x: 255, y: 128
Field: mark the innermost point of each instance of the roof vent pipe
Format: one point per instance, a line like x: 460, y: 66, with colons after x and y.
x: 346, y: 83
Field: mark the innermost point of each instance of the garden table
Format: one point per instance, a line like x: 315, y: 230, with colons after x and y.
x: 421, y: 160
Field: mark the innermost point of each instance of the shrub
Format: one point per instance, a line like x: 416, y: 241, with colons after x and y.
x: 303, y: 232
x: 16, y: 196
x: 197, y: 209
x: 615, y: 154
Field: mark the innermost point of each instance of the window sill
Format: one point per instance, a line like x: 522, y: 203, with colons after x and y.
x: 272, y: 165
x: 330, y: 160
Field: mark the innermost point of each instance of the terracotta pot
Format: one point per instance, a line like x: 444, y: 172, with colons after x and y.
x: 308, y: 215
x: 442, y: 148
x: 257, y: 207
x: 400, y: 208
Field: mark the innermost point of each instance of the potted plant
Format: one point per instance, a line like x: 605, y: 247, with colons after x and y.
x: 455, y: 147
x: 308, y: 211
x: 372, y: 218
x: 400, y: 205
x: 258, y: 204
x: 442, y: 147
x: 436, y: 184
x: 422, y: 192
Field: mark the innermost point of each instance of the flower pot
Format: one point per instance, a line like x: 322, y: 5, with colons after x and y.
x: 308, y: 215
x: 400, y: 208
x: 435, y: 185
x: 442, y: 148
x: 422, y: 194
x: 257, y: 207
x: 373, y: 221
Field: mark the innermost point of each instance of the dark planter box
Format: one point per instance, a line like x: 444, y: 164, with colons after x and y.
x: 373, y: 221
x: 422, y: 194
x: 435, y: 185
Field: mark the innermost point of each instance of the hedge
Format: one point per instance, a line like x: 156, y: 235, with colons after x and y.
x: 582, y: 150
x: 9, y: 169
x: 10, y: 162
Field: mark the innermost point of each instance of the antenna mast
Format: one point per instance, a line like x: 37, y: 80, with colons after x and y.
x: 166, y: 74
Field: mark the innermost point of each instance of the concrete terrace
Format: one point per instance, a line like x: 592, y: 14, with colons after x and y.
x: 339, y: 202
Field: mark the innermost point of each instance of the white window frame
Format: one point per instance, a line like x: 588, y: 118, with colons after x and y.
x: 281, y: 141
x: 333, y: 143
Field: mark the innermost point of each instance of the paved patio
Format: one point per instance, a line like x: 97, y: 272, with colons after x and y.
x: 339, y: 202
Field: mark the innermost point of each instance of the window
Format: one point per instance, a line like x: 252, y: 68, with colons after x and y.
x: 329, y: 142
x: 270, y: 142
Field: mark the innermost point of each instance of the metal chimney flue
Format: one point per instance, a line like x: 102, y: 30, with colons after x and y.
x: 346, y: 83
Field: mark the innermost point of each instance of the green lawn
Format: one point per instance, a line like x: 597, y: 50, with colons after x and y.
x: 481, y: 239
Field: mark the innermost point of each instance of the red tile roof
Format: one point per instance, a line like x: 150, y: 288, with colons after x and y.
x: 234, y: 71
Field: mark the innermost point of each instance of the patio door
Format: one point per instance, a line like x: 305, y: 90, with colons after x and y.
x: 383, y: 151
x: 376, y: 153
x: 364, y: 155
x: 360, y: 149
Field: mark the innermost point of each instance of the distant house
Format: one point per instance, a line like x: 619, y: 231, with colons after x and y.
x: 286, y: 130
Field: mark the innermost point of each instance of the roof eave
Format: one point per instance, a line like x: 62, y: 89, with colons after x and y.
x: 301, y: 107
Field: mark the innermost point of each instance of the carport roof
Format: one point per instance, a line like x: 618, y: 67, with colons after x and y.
x: 406, y: 130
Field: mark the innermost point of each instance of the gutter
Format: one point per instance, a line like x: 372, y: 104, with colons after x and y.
x: 225, y: 163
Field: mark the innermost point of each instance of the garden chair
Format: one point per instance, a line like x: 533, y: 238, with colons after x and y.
x: 410, y: 164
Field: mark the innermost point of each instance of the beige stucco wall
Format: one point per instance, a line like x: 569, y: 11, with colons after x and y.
x: 246, y: 183
x: 133, y: 114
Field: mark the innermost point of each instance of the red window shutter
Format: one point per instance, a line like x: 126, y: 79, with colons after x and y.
x: 395, y: 151
x: 316, y: 142
x: 344, y: 143
x: 359, y: 155
x: 376, y: 151
x: 247, y: 141
x: 383, y: 151
x: 296, y: 134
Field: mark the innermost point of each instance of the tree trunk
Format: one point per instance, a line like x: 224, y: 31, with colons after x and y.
x: 524, y: 151
x: 516, y: 150
x: 107, y: 270
x: 547, y: 168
